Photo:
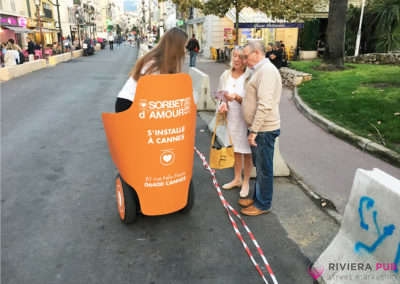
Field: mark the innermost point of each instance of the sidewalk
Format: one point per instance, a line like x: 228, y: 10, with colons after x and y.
x: 325, y: 163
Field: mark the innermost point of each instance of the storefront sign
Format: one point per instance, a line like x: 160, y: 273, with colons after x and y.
x: 9, y: 21
x: 228, y: 36
x: 269, y: 25
x: 22, y: 22
x: 13, y: 21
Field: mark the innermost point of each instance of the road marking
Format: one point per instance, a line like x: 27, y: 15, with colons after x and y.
x: 230, y: 209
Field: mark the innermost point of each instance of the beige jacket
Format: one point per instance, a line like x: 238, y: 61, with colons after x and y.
x: 260, y: 105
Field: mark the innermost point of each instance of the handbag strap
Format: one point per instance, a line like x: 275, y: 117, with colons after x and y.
x: 215, y: 129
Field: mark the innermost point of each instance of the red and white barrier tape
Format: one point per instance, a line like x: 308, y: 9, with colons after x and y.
x: 230, y: 209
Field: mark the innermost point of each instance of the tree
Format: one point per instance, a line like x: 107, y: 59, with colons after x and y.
x: 184, y: 5
x: 283, y: 9
x: 334, y: 50
x: 221, y: 7
x: 387, y: 21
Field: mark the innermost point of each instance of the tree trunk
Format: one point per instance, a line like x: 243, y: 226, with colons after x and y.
x: 334, y: 53
x: 237, y: 22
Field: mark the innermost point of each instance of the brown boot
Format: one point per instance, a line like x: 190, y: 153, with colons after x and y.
x: 245, y: 202
x: 253, y: 211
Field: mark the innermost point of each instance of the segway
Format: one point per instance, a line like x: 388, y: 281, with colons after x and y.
x: 152, y: 146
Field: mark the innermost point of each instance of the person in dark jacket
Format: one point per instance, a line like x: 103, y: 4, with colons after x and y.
x: 193, y: 47
x: 274, y: 55
x: 284, y: 55
x: 31, y: 46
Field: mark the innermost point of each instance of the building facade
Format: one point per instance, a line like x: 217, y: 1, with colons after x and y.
x: 48, y: 15
x: 13, y: 21
x: 220, y: 33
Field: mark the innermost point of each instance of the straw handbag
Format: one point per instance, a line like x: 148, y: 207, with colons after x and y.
x: 221, y: 157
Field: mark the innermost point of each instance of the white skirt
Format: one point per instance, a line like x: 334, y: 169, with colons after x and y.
x: 237, y: 128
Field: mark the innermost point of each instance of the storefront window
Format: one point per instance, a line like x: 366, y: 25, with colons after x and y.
x: 48, y: 13
x: 229, y: 36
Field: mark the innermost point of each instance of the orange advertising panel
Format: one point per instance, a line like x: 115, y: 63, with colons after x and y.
x: 152, y: 143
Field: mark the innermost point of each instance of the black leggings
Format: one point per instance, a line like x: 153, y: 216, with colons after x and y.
x: 122, y: 104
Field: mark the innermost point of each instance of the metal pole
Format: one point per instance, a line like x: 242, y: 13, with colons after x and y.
x: 79, y: 37
x: 40, y: 28
x: 59, y: 25
x: 357, y: 49
x: 151, y: 28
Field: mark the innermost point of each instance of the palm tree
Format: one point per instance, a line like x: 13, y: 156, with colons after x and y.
x: 387, y: 20
x: 334, y: 54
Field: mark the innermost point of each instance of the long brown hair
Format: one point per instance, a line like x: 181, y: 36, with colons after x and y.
x: 166, y: 57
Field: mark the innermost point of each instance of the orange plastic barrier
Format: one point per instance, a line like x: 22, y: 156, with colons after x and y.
x: 152, y: 142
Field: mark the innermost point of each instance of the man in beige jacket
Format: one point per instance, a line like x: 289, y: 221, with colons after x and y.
x: 260, y: 108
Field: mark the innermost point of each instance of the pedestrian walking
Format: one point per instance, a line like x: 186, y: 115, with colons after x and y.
x: 193, y: 47
x: 232, y: 84
x: 165, y: 58
x: 111, y: 41
x: 260, y: 108
x: 67, y: 44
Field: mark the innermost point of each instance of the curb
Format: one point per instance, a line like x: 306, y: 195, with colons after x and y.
x: 324, y: 204
x: 362, y: 143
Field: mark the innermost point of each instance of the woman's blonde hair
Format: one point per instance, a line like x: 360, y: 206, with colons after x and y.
x: 166, y: 57
x: 10, y: 46
x: 236, y: 49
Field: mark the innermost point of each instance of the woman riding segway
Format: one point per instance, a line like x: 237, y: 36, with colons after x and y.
x: 151, y: 138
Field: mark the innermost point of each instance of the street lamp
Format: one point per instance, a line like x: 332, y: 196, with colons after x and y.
x: 37, y: 3
x: 77, y: 16
x: 359, y: 30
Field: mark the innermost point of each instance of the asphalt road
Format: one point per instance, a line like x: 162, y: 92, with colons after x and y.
x: 59, y: 221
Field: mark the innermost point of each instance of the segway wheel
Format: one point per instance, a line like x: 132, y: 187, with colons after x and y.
x: 126, y: 201
x: 190, y: 201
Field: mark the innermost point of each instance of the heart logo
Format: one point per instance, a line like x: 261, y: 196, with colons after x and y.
x: 167, y: 158
x: 315, y: 272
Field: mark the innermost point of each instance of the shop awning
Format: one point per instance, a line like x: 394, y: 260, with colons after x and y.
x: 18, y: 30
x: 270, y: 25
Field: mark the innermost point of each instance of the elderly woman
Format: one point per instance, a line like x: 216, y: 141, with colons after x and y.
x: 231, y: 84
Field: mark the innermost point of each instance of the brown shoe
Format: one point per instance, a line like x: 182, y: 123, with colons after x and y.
x: 245, y: 202
x: 253, y: 211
